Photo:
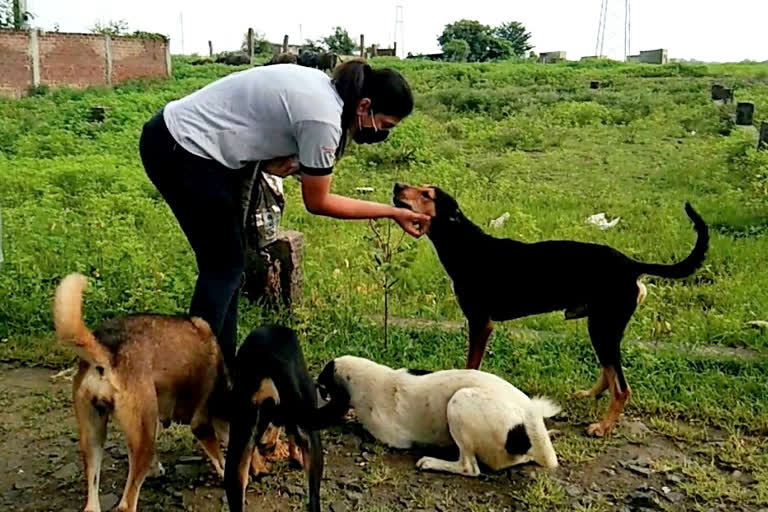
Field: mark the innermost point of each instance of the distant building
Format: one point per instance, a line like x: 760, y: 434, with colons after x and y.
x: 659, y: 56
x: 293, y: 49
x: 550, y: 57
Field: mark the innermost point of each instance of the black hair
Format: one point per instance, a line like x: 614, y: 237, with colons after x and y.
x: 388, y: 91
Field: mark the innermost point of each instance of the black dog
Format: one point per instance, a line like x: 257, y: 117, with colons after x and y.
x: 501, y: 279
x: 272, y: 387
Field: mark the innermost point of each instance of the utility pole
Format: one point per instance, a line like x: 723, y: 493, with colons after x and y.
x: 181, y: 24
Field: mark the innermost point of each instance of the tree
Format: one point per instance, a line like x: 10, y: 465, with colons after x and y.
x: 339, y: 42
x: 6, y: 14
x: 456, y: 50
x: 112, y: 28
x: 499, y: 49
x: 11, y: 15
x: 313, y: 46
x: 473, y: 32
x: 514, y: 32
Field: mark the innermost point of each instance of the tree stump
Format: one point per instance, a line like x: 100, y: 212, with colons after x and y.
x: 745, y: 113
x: 274, y: 273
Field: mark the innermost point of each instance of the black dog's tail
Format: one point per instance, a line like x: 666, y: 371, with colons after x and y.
x: 692, y: 262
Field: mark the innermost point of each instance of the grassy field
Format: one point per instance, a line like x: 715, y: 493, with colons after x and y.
x: 530, y: 140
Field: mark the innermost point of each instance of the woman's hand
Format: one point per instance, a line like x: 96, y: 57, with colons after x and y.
x: 319, y: 201
x: 415, y: 224
x: 282, y: 166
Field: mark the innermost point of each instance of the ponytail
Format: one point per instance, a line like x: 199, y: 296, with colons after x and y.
x: 388, y: 91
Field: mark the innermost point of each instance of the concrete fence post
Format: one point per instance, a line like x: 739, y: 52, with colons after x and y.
x: 762, y: 140
x: 33, y: 52
x: 168, y: 68
x: 745, y: 112
x: 210, y: 49
x: 362, y: 45
x: 108, y: 56
x: 250, y: 43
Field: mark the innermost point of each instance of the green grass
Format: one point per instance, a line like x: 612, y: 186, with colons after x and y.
x: 527, y: 139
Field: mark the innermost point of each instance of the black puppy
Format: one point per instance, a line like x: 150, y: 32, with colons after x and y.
x: 272, y: 387
x: 500, y: 279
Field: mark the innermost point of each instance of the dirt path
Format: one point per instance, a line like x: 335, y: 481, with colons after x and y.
x: 40, y: 469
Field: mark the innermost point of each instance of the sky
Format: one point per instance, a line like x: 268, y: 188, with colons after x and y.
x: 707, y: 30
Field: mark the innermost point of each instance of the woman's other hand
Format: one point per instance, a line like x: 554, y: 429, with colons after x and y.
x: 282, y: 166
x: 415, y: 224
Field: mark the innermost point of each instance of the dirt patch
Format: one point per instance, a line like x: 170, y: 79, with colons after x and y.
x: 41, y: 470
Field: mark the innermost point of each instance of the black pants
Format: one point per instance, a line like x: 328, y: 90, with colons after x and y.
x: 206, y: 198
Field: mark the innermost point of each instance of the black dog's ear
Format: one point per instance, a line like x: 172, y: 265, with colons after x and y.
x: 446, y: 206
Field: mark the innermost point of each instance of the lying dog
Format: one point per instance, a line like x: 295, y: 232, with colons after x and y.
x: 144, y: 370
x: 485, y: 416
x: 272, y: 388
x: 502, y: 279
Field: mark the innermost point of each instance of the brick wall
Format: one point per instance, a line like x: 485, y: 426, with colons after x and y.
x: 57, y: 59
x: 74, y: 60
x: 136, y: 58
x: 15, y: 65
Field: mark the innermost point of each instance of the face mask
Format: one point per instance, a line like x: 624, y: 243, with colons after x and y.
x: 372, y: 135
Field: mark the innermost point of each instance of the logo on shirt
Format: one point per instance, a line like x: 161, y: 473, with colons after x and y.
x: 328, y: 149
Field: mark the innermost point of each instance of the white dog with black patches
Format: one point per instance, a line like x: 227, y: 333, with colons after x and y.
x: 486, y: 417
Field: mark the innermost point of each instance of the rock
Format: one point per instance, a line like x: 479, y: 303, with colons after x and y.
x: 608, y: 471
x: 186, y: 470
x: 744, y: 478
x: 66, y: 472
x: 24, y: 480
x: 643, y: 461
x: 574, y: 491
x: 294, y: 490
x: 640, y: 470
x: 674, y: 496
x: 338, y: 506
x: 635, y: 428
x: 644, y: 499
x: 672, y: 478
x: 353, y: 496
x: 108, y: 501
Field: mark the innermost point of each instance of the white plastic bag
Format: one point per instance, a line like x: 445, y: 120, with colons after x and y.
x: 601, y: 221
x: 265, y: 200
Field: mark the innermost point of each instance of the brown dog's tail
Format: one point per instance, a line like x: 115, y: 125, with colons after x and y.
x: 68, y: 320
x: 692, y: 262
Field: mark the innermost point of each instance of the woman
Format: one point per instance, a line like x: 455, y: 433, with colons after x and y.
x: 290, y: 118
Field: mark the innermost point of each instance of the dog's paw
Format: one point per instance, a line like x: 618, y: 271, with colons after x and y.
x: 425, y: 464
x: 554, y: 433
x: 581, y: 394
x: 600, y: 429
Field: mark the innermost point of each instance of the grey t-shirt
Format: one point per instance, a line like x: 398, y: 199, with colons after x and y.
x: 259, y: 114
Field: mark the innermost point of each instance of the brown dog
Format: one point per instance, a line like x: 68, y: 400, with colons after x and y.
x: 498, y: 279
x: 144, y: 370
